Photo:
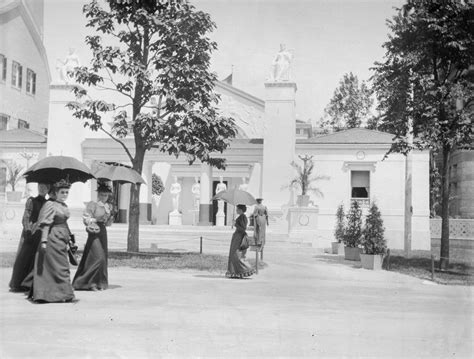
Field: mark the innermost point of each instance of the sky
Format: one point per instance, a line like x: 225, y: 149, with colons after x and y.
x: 328, y: 38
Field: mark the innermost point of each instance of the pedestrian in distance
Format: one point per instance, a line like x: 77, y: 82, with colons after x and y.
x: 237, y: 266
x: 51, y: 275
x: 29, y: 241
x: 92, y: 272
x: 260, y: 215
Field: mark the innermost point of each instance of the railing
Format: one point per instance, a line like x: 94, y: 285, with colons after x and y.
x: 363, y: 202
x: 458, y: 228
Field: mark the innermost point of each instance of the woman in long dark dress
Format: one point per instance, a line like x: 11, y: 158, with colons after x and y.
x: 92, y: 271
x: 260, y: 215
x: 237, y: 267
x: 51, y: 275
x: 30, y: 238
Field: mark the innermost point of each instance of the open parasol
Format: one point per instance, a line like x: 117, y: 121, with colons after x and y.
x: 235, y: 196
x: 118, y: 173
x: 54, y: 168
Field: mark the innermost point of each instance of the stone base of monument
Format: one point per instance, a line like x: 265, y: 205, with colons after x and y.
x: 220, y: 219
x: 175, y: 219
x: 303, y: 226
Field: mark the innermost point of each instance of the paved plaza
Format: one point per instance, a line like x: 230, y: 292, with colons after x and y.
x: 302, y: 304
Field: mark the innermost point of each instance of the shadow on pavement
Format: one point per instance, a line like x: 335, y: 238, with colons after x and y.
x: 335, y: 260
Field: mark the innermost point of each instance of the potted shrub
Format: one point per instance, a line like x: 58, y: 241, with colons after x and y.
x: 353, y: 232
x: 373, y: 242
x: 305, y: 179
x: 14, y: 174
x: 157, y: 187
x: 338, y: 245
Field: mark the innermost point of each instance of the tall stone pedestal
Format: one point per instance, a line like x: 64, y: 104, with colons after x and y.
x: 175, y: 219
x: 220, y: 219
x: 303, y: 226
x: 279, y: 142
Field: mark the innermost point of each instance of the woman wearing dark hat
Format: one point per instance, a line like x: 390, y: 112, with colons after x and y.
x: 237, y: 267
x: 30, y: 238
x: 92, y: 271
x: 51, y: 276
x: 260, y: 215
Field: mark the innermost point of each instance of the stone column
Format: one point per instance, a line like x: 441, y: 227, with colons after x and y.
x: 279, y: 143
x: 205, y: 202
x: 65, y: 135
x: 145, y: 193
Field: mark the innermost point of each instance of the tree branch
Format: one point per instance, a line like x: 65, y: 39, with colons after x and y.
x: 120, y: 142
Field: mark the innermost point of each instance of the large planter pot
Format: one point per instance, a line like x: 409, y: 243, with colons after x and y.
x: 371, y: 261
x: 302, y: 200
x: 352, y: 253
x: 14, y: 196
x: 337, y: 248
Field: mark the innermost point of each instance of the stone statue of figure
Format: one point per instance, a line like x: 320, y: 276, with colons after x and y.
x: 221, y: 186
x: 69, y: 64
x: 281, y: 65
x: 244, y: 186
x: 196, y: 190
x: 175, y: 190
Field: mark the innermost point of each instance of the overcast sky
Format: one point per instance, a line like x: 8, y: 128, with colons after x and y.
x: 328, y: 38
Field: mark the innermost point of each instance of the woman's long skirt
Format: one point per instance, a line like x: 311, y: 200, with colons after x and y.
x: 51, y: 275
x: 260, y: 230
x: 92, y: 271
x: 237, y: 267
x: 25, y: 262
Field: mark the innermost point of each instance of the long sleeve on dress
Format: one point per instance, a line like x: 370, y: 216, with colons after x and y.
x: 89, y: 212
x: 241, y: 223
x: 27, y: 214
x: 46, y: 219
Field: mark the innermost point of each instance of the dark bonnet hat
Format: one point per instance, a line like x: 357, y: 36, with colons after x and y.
x: 104, y: 188
x: 243, y: 207
x: 62, y: 184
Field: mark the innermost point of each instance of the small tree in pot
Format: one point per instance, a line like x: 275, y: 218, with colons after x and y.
x: 14, y: 174
x: 373, y: 241
x: 338, y: 245
x: 353, y: 232
x: 305, y: 180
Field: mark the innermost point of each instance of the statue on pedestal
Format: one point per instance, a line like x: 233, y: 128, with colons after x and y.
x: 175, y: 191
x: 69, y: 64
x: 196, y: 191
x: 244, y: 186
x: 281, y: 65
x: 221, y: 186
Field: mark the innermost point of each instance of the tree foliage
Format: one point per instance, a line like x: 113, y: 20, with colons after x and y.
x: 155, y: 59
x: 305, y: 179
x: 157, y: 186
x: 350, y: 104
x: 340, y: 223
x: 353, y: 228
x: 373, y: 238
x: 424, y: 85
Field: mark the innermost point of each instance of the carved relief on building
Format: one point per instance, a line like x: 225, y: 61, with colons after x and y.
x: 249, y: 119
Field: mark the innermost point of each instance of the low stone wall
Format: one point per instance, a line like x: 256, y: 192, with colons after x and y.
x: 459, y: 229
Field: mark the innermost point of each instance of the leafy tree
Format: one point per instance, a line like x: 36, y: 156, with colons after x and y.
x: 373, y: 239
x: 157, y: 186
x: 340, y: 223
x: 155, y: 59
x: 350, y: 104
x: 426, y: 80
x: 353, y: 229
x: 305, y: 178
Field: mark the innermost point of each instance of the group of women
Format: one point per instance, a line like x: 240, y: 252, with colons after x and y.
x: 237, y: 266
x: 41, y: 267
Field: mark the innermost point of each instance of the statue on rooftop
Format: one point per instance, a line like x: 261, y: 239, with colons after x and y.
x: 281, y: 65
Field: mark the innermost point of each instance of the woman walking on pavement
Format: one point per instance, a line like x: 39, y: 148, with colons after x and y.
x: 51, y: 275
x: 30, y: 238
x: 92, y: 271
x: 260, y: 215
x: 237, y: 267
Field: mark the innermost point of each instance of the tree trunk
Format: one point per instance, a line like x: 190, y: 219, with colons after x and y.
x: 134, y: 219
x: 133, y: 243
x: 444, y: 251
